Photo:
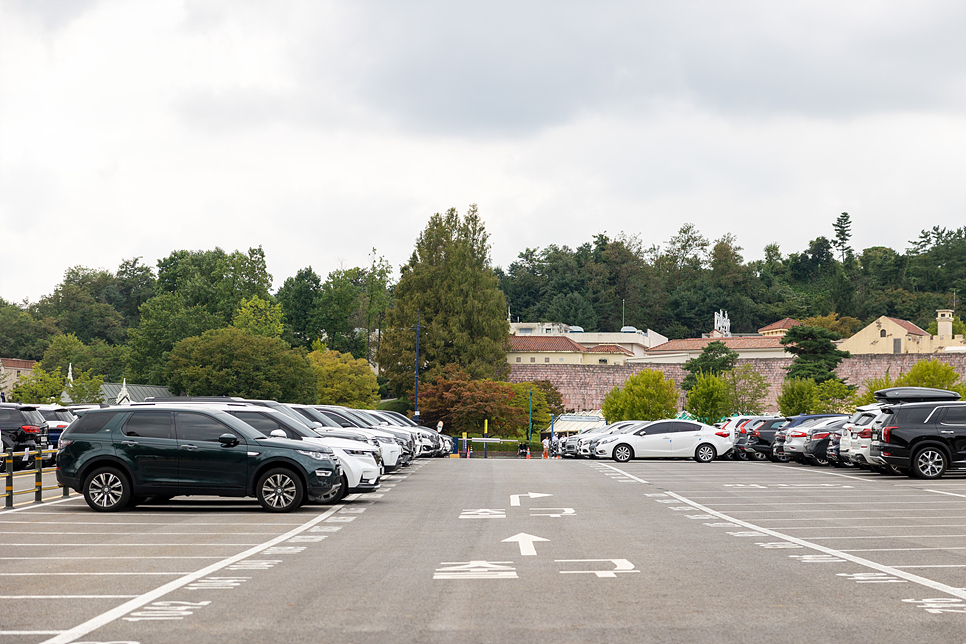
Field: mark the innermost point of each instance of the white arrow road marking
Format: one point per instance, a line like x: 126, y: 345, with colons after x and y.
x: 515, y: 498
x: 526, y: 542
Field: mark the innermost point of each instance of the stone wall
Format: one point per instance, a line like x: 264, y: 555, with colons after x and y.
x: 584, y: 386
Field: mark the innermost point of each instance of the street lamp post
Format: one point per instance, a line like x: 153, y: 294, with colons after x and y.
x: 530, y: 426
x: 416, y: 389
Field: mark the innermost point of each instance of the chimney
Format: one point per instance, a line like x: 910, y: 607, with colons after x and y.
x: 944, y: 318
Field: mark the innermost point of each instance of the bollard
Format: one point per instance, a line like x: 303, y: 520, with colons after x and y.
x: 8, y: 462
x: 39, y: 477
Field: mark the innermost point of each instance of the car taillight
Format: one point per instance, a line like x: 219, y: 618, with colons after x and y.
x: 866, y: 433
x: 30, y: 429
x: 757, y: 433
x: 885, y: 432
x: 721, y: 434
x: 742, y: 427
x: 818, y: 437
x: 796, y: 434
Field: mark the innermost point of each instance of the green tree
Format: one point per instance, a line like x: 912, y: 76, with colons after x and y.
x: 101, y: 358
x: 85, y: 389
x: 232, y: 362
x: 523, y: 394
x: 708, y: 399
x: 40, y: 387
x: 344, y: 380
x: 844, y: 326
x: 930, y: 373
x: 552, y: 395
x: 843, y: 232
x: 376, y: 299
x: 215, y: 280
x: 798, y: 396
x: 449, y: 288
x: 21, y: 334
x: 815, y: 354
x: 715, y: 358
x: 259, y: 317
x: 335, y: 311
x: 833, y: 397
x: 298, y: 297
x: 165, y: 320
x: 647, y: 395
x: 463, y: 404
x: 747, y: 389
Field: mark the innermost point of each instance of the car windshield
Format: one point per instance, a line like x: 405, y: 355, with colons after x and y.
x: 317, y: 416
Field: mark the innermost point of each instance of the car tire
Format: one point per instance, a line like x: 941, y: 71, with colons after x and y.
x: 778, y: 458
x: 336, y: 494
x: 107, y: 489
x: 929, y: 463
x: 623, y: 453
x: 740, y: 455
x: 819, y: 461
x: 705, y: 453
x: 279, y: 490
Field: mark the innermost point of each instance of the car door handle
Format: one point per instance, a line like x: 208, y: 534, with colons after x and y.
x: 946, y: 431
x: 188, y: 447
x: 129, y: 443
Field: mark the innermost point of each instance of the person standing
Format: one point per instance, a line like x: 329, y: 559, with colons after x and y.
x: 546, y: 447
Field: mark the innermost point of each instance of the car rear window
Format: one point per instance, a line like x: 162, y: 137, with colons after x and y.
x: 913, y: 415
x: 90, y: 423
x: 32, y: 417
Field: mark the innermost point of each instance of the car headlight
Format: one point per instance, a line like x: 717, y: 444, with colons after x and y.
x: 318, y: 456
x: 359, y: 452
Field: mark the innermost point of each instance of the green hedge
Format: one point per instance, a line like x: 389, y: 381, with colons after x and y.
x: 400, y: 405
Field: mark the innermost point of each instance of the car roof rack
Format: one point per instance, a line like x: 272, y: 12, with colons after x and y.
x: 915, y: 394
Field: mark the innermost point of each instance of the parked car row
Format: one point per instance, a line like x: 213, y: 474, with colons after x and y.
x: 671, y: 438
x: 916, y: 431
x: 283, y: 455
x: 30, y: 428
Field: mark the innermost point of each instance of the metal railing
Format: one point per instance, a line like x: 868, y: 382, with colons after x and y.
x: 38, y: 489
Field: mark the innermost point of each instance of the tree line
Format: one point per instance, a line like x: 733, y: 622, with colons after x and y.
x: 207, y: 321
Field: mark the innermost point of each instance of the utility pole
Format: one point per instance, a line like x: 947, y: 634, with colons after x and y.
x: 530, y: 426
x: 622, y: 313
x: 416, y: 389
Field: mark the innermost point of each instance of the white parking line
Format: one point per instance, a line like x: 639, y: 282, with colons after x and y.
x: 29, y: 507
x: 67, y: 597
x: 929, y: 583
x: 84, y: 574
x: 45, y: 558
x: 93, y: 624
x: 899, y: 536
x: 962, y: 496
x: 901, y: 549
x: 141, y: 534
x: 126, y: 545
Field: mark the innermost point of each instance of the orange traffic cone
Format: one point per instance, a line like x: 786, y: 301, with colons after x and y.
x: 528, y: 453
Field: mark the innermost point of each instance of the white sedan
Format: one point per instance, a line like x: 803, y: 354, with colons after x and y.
x: 667, y: 439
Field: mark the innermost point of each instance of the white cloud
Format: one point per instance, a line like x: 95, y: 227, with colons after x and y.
x: 322, y: 130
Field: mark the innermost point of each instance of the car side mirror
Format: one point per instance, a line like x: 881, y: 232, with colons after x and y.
x: 228, y: 440
x: 642, y: 433
x: 278, y: 433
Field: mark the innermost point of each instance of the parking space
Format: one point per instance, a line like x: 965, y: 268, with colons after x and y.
x: 66, y: 571
x: 499, y: 550
x: 859, y: 528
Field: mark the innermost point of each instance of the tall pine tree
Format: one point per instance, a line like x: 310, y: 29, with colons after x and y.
x: 449, y: 289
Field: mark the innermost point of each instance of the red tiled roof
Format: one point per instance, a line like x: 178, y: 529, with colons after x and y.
x: 544, y: 344
x: 910, y: 328
x: 697, y: 344
x: 609, y: 348
x: 785, y: 323
x: 17, y: 363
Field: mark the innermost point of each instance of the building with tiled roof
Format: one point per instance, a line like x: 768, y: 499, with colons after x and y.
x: 12, y: 370
x: 680, y: 351
x: 560, y: 349
x: 779, y: 328
x: 892, y: 335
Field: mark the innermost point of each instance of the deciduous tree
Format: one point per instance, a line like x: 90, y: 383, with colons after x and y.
x: 647, y: 395
x: 708, y: 399
x: 344, y: 380
x: 715, y: 358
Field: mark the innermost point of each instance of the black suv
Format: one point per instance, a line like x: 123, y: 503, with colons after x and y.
x: 118, y: 456
x: 926, y: 437
x: 22, y: 428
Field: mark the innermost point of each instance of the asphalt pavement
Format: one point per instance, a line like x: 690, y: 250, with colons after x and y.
x: 503, y: 550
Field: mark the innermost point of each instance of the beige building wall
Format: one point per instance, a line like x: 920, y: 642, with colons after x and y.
x: 550, y: 357
x: 885, y: 336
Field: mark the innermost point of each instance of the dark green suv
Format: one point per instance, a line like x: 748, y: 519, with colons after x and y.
x: 118, y: 456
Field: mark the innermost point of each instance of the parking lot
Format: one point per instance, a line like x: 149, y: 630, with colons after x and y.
x: 498, y: 550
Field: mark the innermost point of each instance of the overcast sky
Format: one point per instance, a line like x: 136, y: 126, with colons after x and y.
x: 321, y: 130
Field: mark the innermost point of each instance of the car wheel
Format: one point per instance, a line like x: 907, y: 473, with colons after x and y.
x: 705, y: 453
x: 337, y: 493
x: 107, y: 490
x: 778, y: 458
x: 623, y: 453
x: 818, y: 460
x: 929, y: 463
x: 279, y: 490
x: 740, y: 455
